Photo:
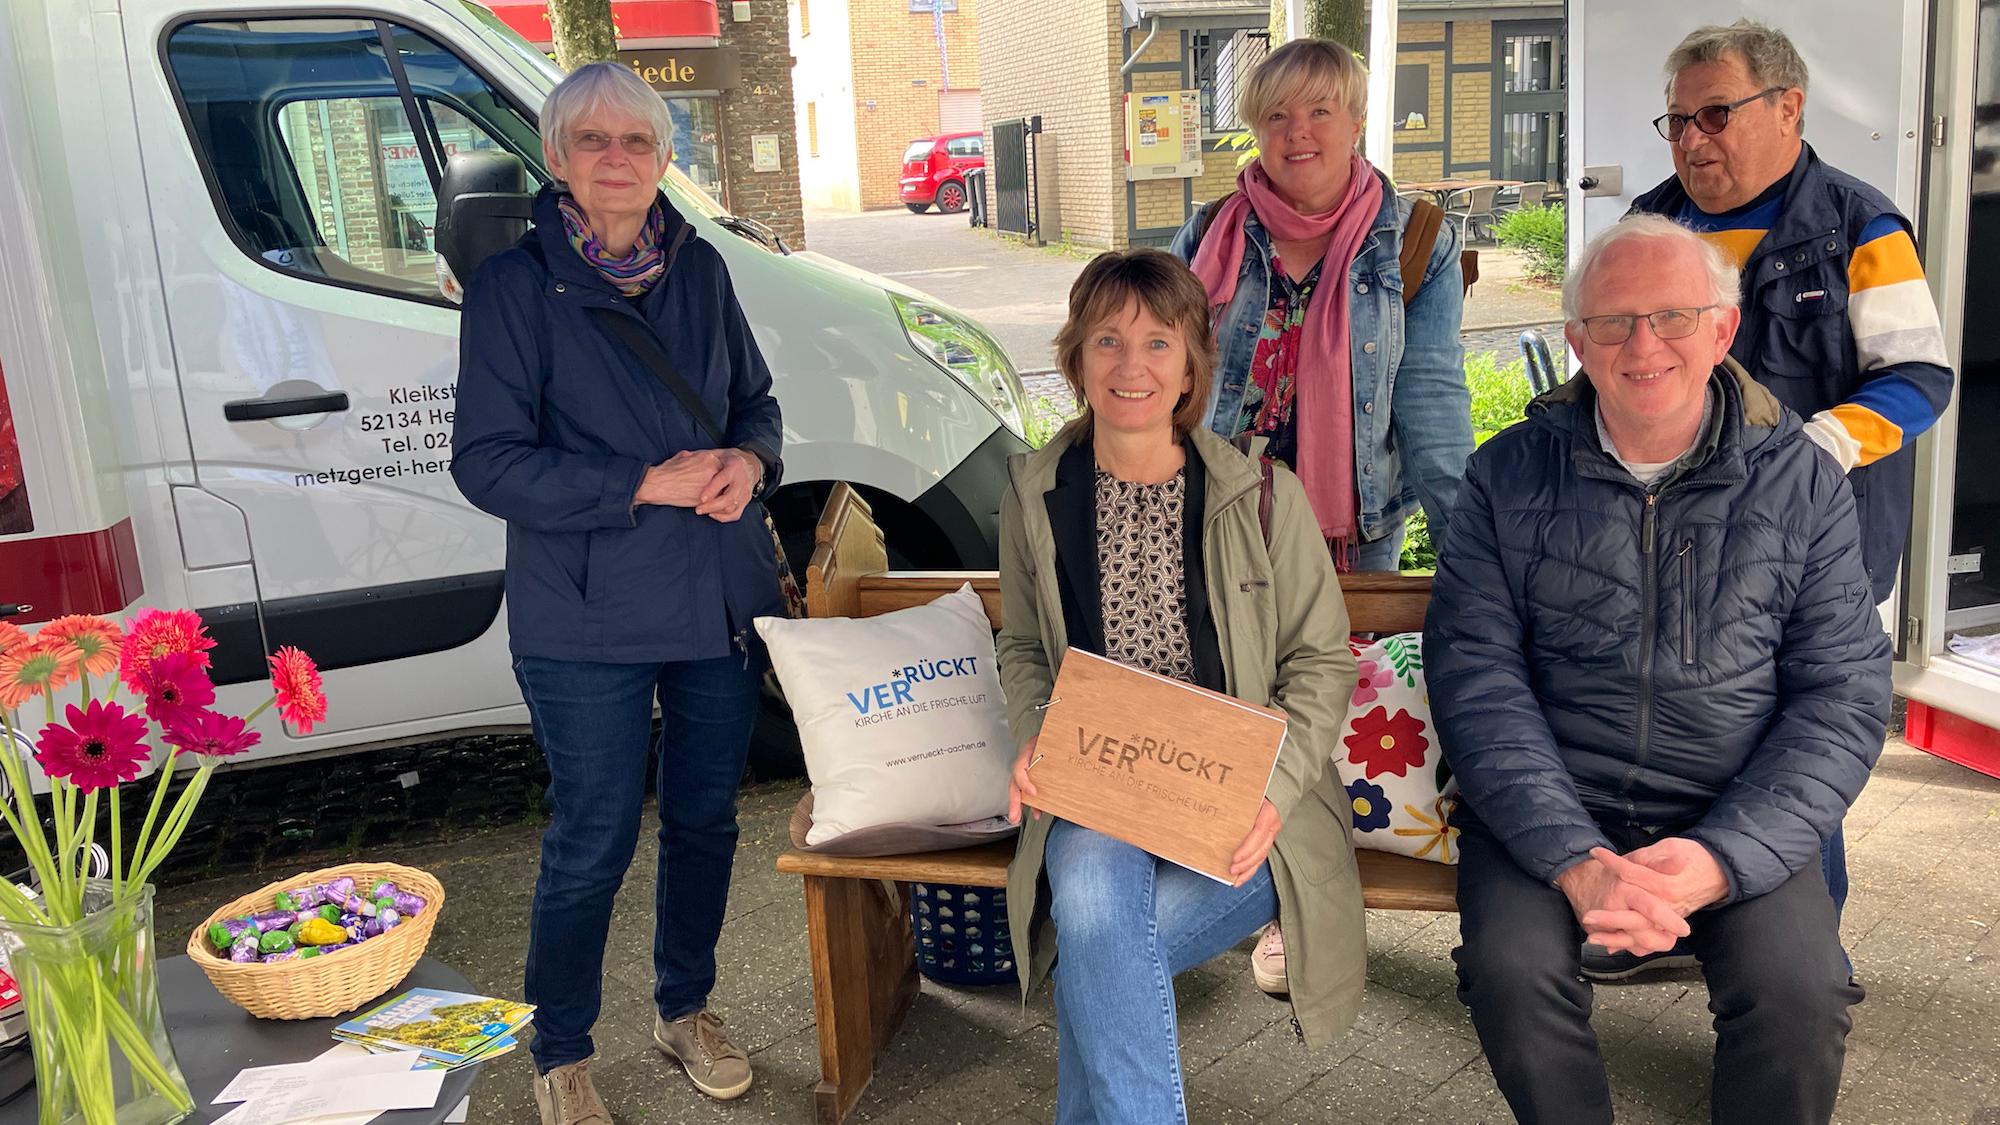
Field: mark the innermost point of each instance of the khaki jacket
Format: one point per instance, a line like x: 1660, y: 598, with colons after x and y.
x: 1283, y: 630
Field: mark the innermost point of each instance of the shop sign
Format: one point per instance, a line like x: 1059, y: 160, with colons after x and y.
x: 677, y: 70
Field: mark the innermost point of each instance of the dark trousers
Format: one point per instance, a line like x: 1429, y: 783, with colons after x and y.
x: 594, y: 722
x: 1777, y: 983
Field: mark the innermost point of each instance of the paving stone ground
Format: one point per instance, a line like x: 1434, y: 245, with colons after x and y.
x: 1924, y: 844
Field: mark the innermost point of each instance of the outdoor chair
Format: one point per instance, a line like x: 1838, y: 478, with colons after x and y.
x: 1534, y: 193
x: 1470, y: 207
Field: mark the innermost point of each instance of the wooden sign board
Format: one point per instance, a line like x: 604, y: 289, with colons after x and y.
x: 1166, y: 766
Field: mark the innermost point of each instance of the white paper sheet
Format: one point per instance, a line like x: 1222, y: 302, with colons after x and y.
x: 267, y: 1081
x: 344, y: 1095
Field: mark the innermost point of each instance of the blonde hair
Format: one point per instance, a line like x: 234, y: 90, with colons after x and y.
x: 1304, y: 70
x: 1168, y: 290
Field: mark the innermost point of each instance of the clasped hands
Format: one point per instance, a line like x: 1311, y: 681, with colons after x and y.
x: 714, y: 482
x: 1639, y: 902
x: 1250, y: 855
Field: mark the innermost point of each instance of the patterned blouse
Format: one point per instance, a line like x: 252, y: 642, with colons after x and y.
x: 1272, y: 389
x: 1141, y: 574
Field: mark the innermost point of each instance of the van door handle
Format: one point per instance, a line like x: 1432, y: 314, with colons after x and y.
x: 11, y: 609
x: 259, y: 409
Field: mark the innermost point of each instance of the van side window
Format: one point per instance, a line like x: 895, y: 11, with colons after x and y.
x: 311, y: 154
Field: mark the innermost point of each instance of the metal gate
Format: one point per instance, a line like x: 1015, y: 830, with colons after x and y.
x: 1012, y: 173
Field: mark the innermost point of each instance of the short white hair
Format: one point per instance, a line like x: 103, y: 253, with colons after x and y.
x: 1724, y: 286
x: 603, y: 85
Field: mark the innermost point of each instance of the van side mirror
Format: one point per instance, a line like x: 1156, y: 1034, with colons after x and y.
x: 485, y: 202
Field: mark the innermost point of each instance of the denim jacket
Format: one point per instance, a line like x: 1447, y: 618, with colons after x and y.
x: 1412, y: 411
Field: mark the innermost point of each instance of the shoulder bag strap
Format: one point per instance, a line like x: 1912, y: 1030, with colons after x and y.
x: 1264, y: 486
x: 628, y: 331
x: 1419, y: 237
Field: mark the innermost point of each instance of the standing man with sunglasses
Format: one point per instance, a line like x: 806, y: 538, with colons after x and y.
x: 1837, y: 320
x: 1660, y: 682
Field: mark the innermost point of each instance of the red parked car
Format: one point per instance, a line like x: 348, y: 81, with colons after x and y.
x: 934, y: 171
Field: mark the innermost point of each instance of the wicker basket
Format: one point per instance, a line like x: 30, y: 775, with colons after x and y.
x: 310, y: 988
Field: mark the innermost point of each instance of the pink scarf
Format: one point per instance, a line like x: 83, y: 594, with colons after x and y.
x: 1324, y: 412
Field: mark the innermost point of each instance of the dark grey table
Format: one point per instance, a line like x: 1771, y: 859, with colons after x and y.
x: 213, y: 1039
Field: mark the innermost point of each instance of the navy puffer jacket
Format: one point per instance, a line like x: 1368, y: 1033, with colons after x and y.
x: 1702, y: 658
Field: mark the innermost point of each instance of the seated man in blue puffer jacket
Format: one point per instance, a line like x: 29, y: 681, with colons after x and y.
x: 1657, y: 672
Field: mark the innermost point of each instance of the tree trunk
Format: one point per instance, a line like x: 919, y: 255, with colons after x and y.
x: 1343, y: 21
x: 583, y: 32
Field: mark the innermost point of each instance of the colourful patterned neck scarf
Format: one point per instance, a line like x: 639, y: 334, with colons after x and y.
x: 633, y: 273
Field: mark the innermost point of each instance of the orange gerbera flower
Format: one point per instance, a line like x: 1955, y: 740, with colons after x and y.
x: 11, y: 635
x: 95, y: 640
x: 296, y: 680
x: 29, y: 670
x: 155, y: 633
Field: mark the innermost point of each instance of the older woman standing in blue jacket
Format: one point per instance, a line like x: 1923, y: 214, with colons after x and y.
x: 1363, y: 398
x: 636, y: 561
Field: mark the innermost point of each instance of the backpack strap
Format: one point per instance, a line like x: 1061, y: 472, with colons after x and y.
x: 1265, y: 488
x: 1205, y: 218
x: 1420, y: 236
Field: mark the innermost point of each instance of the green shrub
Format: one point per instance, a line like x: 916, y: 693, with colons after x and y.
x: 1538, y: 233
x: 1500, y: 395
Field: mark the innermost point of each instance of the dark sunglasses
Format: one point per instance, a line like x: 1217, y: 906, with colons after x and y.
x: 1710, y: 119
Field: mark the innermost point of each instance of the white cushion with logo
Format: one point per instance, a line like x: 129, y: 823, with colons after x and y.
x: 900, y: 715
x: 1388, y: 757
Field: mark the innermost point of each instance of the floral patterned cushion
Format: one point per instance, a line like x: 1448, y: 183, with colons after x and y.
x: 1389, y: 758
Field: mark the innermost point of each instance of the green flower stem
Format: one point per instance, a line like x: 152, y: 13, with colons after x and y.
x: 57, y: 892
x: 14, y: 904
x: 89, y: 838
x: 166, y: 774
x: 261, y: 708
x: 117, y: 846
x: 140, y: 1054
x: 27, y: 827
x: 177, y: 822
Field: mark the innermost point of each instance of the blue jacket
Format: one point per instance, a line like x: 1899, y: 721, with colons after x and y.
x: 1412, y: 412
x: 557, y: 422
x: 1798, y: 339
x: 1701, y: 657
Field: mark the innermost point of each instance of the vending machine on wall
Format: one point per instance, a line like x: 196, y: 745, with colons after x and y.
x: 1162, y: 134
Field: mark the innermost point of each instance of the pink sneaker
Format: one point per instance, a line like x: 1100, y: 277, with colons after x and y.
x: 1267, y: 961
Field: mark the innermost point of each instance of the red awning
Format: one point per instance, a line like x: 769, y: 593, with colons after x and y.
x: 635, y: 19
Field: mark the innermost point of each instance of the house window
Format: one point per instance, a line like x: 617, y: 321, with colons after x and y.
x: 1413, y: 96
x: 1223, y: 61
x: 805, y: 18
x: 812, y: 128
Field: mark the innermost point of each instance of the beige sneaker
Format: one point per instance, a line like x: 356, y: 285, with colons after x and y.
x: 566, y: 1097
x: 1267, y: 961
x: 718, y: 1067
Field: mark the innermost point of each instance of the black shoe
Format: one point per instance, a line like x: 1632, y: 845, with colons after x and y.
x: 1601, y: 964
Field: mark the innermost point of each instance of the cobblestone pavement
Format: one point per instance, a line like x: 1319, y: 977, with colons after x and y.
x: 1925, y: 854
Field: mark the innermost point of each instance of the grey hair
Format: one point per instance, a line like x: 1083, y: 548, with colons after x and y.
x: 1724, y: 286
x: 603, y: 85
x: 1768, y: 52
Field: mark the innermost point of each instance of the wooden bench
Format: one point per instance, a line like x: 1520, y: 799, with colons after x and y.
x: 857, y: 909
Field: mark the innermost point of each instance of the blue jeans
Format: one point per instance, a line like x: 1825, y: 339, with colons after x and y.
x: 1385, y: 553
x: 594, y: 722
x: 1127, y: 923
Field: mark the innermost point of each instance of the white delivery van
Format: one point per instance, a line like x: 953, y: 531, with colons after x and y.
x: 1905, y: 94
x: 227, y: 372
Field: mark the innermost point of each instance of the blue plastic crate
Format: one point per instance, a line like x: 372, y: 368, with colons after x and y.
x: 961, y: 934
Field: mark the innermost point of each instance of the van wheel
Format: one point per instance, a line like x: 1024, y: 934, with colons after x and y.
x: 951, y: 197
x: 917, y: 208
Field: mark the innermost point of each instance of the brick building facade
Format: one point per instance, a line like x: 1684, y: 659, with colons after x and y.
x: 870, y: 77
x: 1066, y: 60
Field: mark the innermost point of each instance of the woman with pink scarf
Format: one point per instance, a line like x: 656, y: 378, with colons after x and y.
x: 1363, y: 398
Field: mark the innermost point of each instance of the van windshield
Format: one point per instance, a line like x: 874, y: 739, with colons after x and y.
x: 511, y: 39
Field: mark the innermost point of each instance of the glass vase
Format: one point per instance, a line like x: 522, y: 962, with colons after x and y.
x: 91, y: 990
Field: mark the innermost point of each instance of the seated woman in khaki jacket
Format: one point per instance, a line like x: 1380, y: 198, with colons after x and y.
x: 1135, y: 535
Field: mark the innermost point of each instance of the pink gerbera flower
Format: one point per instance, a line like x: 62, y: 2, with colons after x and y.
x: 176, y: 683
x: 207, y: 732
x: 156, y: 633
x: 95, y: 641
x: 296, y: 680
x: 100, y: 747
